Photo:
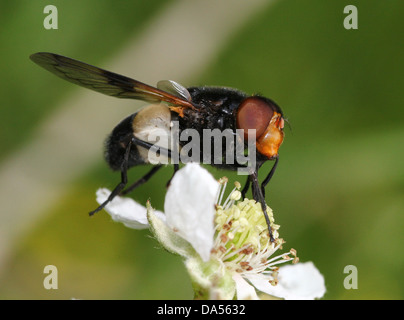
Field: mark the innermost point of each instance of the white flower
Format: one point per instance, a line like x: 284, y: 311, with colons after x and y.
x: 189, y: 210
x: 226, y: 246
x: 300, y: 281
x: 190, y: 207
x: 125, y: 210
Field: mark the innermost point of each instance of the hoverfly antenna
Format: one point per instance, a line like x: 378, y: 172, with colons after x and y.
x: 288, y: 124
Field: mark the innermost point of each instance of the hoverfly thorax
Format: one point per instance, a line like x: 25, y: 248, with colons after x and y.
x: 265, y: 117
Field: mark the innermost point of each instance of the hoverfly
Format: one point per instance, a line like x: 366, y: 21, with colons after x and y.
x: 199, y: 108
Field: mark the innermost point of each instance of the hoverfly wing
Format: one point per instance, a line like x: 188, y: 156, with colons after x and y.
x: 104, y: 81
x: 174, y: 88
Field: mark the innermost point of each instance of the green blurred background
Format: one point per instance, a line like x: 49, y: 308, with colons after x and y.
x: 337, y: 194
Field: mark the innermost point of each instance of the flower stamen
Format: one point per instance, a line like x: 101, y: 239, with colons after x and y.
x: 242, y: 239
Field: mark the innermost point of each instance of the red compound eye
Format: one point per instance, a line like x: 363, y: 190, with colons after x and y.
x: 254, y: 113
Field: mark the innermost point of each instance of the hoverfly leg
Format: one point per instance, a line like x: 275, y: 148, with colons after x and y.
x: 154, y: 148
x: 246, y: 187
x: 259, y: 197
x: 121, y: 185
x: 269, y: 176
x: 142, y: 180
x: 157, y: 150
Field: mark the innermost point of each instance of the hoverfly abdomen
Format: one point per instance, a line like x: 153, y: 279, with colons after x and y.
x: 152, y: 125
x: 117, y: 143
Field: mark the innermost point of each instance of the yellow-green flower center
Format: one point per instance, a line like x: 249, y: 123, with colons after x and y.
x: 242, y: 240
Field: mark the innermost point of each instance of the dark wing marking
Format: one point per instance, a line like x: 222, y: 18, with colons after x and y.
x: 104, y: 81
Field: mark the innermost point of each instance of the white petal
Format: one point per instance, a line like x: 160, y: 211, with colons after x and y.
x: 245, y: 291
x: 125, y: 210
x: 169, y: 239
x: 300, y: 281
x: 189, y: 207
